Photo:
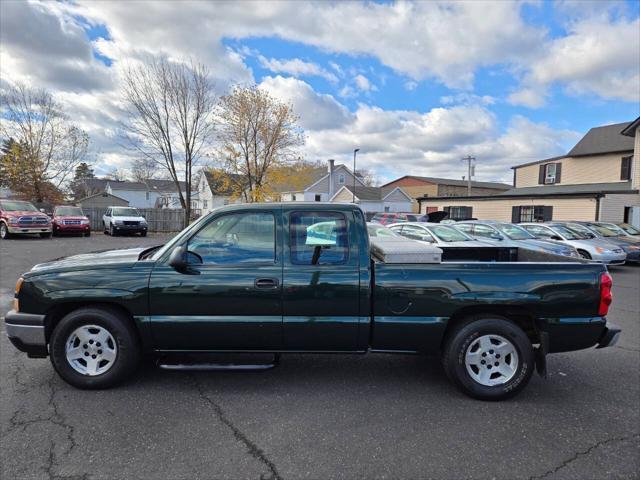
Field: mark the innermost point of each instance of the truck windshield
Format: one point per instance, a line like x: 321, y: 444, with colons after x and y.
x: 449, y: 234
x: 17, y: 206
x: 76, y: 211
x: 514, y: 232
x: 125, y: 212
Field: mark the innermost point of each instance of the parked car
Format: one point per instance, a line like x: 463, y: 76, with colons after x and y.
x: 623, y: 233
x: 509, y: 235
x: 593, y: 248
x: 70, y: 219
x: 592, y: 230
x: 437, y: 234
x: 630, y: 229
x: 117, y: 220
x: 271, y: 290
x: 378, y: 230
x: 19, y: 218
x: 388, y: 218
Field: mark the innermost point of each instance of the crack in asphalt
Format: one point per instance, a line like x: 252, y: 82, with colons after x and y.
x: 255, y: 451
x: 55, y: 418
x: 583, y: 453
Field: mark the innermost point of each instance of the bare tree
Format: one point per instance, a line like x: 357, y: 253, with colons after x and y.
x: 51, y: 145
x: 143, y: 169
x: 256, y: 133
x: 171, y: 111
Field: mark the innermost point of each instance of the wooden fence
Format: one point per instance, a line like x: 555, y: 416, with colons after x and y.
x: 158, y: 219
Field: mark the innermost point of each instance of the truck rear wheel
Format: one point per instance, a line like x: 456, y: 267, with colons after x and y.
x: 94, y: 348
x: 489, y: 358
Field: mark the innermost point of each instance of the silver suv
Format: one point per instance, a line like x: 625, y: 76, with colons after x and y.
x: 117, y: 220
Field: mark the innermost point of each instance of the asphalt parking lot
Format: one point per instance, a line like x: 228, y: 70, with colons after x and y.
x: 334, y: 416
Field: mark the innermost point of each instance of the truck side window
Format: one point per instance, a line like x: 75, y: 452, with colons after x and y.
x: 236, y: 239
x: 318, y: 238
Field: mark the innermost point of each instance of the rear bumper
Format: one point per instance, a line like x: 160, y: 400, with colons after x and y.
x: 26, y: 332
x: 568, y: 334
x: 610, y: 336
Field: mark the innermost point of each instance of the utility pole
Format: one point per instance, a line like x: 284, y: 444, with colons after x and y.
x: 354, y: 174
x: 469, y: 159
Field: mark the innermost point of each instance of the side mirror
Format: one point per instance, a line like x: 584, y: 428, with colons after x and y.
x: 178, y: 258
x: 556, y: 237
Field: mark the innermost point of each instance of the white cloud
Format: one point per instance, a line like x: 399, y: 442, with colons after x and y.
x: 597, y: 56
x: 297, y: 68
x: 363, y: 83
x: 317, y: 111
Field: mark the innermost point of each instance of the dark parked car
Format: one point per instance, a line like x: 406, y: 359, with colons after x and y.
x: 70, y: 219
x: 300, y: 278
x: 20, y: 218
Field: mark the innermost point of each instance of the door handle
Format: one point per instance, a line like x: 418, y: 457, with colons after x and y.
x: 266, y: 283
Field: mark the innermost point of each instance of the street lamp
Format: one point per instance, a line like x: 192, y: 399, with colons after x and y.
x: 354, y: 174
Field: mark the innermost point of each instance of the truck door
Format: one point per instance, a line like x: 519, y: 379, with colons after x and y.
x: 230, y: 297
x: 320, y: 281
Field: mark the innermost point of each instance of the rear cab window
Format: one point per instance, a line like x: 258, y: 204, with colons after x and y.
x: 318, y: 238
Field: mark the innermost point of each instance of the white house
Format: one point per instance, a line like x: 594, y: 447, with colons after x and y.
x: 375, y: 199
x: 324, y: 186
x: 211, y: 193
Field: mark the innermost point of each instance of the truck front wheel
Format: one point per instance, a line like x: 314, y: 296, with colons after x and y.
x: 94, y: 348
x: 489, y: 358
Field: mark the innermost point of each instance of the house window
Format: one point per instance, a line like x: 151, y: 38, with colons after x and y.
x: 293, y: 197
x: 625, y: 170
x: 318, y: 198
x: 341, y: 179
x: 532, y: 213
x: 459, y: 213
x: 205, y: 204
x: 549, y: 173
x: 386, y: 209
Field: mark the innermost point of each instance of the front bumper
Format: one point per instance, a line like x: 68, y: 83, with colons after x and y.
x: 20, y: 230
x: 633, y: 256
x: 26, y: 331
x: 130, y: 228
x: 71, y: 228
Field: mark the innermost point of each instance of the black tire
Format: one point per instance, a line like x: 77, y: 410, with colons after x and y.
x: 584, y: 254
x: 143, y: 234
x: 4, y: 231
x: 87, y: 234
x: 122, y: 331
x: 462, y: 338
x: 104, y: 228
x: 112, y: 232
x: 46, y: 235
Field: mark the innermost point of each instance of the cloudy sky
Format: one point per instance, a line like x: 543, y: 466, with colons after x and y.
x: 415, y: 86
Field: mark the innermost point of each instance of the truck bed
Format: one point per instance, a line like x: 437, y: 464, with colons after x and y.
x: 555, y: 296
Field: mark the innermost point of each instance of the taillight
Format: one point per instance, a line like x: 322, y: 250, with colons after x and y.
x: 606, y: 283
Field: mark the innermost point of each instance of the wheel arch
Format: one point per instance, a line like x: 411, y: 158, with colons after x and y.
x: 520, y: 316
x: 58, y: 312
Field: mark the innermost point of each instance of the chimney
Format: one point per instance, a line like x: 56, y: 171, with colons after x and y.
x: 331, y: 167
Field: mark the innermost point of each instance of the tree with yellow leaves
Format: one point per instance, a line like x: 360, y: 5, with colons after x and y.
x: 257, y: 135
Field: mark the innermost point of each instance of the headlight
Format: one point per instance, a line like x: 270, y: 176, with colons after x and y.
x: 118, y: 222
x: 84, y: 222
x: 13, y: 220
x: 634, y: 247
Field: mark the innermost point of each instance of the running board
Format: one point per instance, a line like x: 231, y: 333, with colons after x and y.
x: 217, y: 367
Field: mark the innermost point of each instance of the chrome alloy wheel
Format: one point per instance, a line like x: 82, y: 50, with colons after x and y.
x: 91, y: 350
x: 491, y: 360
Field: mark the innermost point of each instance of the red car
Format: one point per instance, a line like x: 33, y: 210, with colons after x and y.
x: 68, y: 219
x: 18, y: 217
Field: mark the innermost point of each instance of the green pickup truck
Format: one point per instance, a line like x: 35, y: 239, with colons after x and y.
x: 292, y: 277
